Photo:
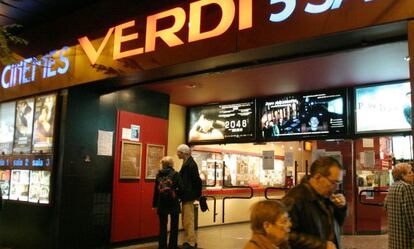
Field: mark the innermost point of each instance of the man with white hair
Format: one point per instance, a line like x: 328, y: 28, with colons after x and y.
x: 191, y: 192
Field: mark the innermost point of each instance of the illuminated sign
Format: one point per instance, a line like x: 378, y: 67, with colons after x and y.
x: 24, y: 72
x: 290, y: 6
x: 168, y: 35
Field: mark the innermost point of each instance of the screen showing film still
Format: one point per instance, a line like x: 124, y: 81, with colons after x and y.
x: 19, y: 185
x: 23, y: 126
x: 39, y: 186
x: 43, y: 125
x: 321, y: 113
x: 5, y: 183
x: 383, y: 108
x: 7, y: 114
x: 222, y: 122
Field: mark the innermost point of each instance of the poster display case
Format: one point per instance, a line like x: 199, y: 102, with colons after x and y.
x: 27, y: 129
x: 240, y: 169
x: 154, y: 155
x: 130, y: 160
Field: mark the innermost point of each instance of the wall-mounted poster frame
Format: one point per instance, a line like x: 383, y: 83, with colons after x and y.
x: 155, y: 153
x: 130, y: 166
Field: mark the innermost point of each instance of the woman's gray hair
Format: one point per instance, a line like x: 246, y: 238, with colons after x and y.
x: 400, y: 170
x: 167, y: 161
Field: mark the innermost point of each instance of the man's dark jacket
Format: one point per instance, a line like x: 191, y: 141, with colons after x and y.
x: 191, y: 180
x: 311, y: 218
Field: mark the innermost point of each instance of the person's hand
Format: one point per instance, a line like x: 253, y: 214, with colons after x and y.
x: 338, y: 200
x: 330, y: 245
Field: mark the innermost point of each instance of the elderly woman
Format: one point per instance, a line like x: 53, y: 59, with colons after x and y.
x: 167, y: 190
x: 270, y: 225
x: 400, y: 207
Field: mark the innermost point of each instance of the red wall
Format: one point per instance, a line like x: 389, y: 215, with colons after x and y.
x: 345, y: 147
x: 132, y: 213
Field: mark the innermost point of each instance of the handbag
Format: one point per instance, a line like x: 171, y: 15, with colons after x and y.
x: 203, y: 203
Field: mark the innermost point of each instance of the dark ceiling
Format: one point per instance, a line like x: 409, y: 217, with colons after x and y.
x: 30, y: 13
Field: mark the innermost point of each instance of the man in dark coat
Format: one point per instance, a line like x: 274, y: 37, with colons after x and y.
x: 167, y: 203
x: 192, y: 191
x: 315, y: 211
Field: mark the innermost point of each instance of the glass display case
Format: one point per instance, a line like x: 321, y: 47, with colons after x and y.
x: 239, y: 169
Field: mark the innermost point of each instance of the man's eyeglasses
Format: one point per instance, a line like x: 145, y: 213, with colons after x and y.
x: 333, y: 182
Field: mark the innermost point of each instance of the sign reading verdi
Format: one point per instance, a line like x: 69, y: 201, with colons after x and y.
x: 169, y: 35
x: 234, y: 121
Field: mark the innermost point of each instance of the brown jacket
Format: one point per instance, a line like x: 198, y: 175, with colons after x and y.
x: 259, y: 241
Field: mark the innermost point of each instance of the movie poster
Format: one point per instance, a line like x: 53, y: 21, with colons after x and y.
x: 5, y: 183
x: 233, y: 121
x: 19, y: 185
x: 44, y: 117
x: 39, y: 186
x: 24, y: 125
x: 383, y: 108
x: 7, y: 113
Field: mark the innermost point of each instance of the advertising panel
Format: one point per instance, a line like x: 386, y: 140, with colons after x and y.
x: 24, y: 125
x: 44, y: 118
x: 222, y: 122
x: 322, y: 113
x: 383, y: 108
x: 39, y: 186
x: 5, y: 183
x: 7, y: 113
x: 19, y: 185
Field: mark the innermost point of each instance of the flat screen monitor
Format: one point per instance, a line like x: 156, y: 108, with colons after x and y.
x: 43, y: 125
x: 383, y: 108
x: 222, y: 122
x: 7, y: 113
x: 321, y: 113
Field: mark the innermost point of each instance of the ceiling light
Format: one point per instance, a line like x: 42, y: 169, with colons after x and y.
x: 191, y: 85
x: 407, y: 58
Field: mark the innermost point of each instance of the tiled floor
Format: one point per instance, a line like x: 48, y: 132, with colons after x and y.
x: 235, y: 236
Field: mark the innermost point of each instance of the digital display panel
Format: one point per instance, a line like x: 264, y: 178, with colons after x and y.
x: 24, y: 126
x: 5, y: 183
x: 7, y: 115
x: 222, y: 122
x: 43, y: 126
x: 322, y: 113
x: 383, y: 108
x: 19, y: 185
x: 39, y: 186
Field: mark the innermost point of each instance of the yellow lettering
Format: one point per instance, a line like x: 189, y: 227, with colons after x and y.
x: 118, y: 39
x: 167, y: 35
x: 228, y: 11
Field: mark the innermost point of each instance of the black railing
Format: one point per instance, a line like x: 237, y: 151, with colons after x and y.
x: 211, y: 196
x: 233, y: 197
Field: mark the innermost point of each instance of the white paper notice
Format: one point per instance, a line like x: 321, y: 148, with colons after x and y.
x: 368, y: 143
x: 268, y: 159
x: 369, y: 159
x: 105, y: 143
x: 126, y: 133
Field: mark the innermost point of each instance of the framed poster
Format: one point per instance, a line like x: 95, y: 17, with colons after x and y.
x: 7, y: 116
x: 154, y: 155
x: 130, y: 166
x: 23, y: 126
x: 43, y: 125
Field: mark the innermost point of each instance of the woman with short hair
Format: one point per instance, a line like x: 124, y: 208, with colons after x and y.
x: 400, y: 208
x: 270, y: 225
